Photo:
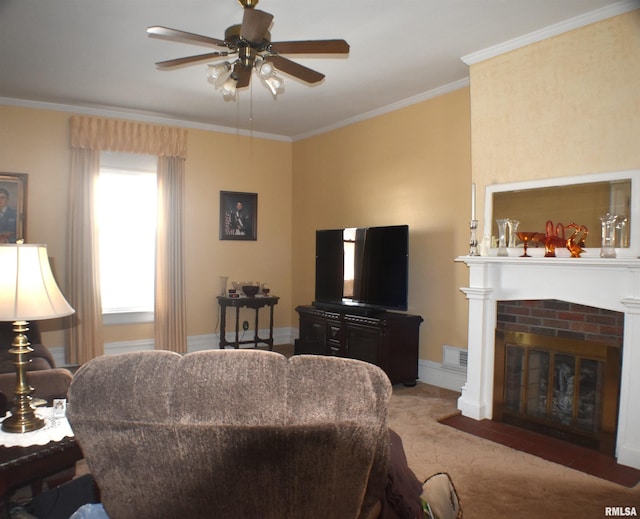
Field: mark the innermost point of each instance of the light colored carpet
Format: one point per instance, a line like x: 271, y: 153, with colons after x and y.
x: 494, y: 481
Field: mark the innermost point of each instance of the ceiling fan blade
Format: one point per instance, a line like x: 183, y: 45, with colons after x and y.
x: 165, y: 33
x: 189, y: 60
x: 310, y: 47
x: 295, y: 69
x: 255, y: 24
x: 243, y: 74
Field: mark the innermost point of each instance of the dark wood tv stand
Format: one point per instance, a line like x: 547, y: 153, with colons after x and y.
x: 387, y: 339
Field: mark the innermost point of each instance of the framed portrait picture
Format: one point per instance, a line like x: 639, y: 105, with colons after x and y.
x: 13, y: 206
x: 238, y: 216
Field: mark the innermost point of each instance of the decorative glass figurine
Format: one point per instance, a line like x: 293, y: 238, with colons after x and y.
x: 608, y: 235
x: 554, y: 238
x: 575, y: 242
x: 527, y: 237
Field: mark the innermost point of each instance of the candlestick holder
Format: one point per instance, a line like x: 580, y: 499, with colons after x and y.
x: 473, y: 241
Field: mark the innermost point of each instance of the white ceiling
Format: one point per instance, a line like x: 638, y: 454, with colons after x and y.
x: 94, y: 56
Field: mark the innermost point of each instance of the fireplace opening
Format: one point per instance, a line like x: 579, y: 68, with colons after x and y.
x: 556, y: 381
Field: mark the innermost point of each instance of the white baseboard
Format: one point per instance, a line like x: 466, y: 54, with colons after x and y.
x: 428, y: 372
x: 212, y: 340
x: 194, y: 343
x: 433, y: 373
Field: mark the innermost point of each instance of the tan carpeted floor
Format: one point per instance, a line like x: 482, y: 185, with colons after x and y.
x: 494, y: 481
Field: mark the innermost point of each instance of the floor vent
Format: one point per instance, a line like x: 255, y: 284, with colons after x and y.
x: 454, y: 358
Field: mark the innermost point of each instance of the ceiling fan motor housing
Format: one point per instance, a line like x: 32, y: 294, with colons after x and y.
x: 248, y: 4
x: 233, y: 39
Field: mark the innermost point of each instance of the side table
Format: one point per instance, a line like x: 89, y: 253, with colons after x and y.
x: 246, y: 302
x: 20, y: 466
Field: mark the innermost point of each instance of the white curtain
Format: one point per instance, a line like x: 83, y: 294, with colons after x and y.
x: 170, y: 318
x: 89, y: 136
x: 85, y: 339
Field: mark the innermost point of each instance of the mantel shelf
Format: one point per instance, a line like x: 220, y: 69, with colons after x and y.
x: 614, y: 263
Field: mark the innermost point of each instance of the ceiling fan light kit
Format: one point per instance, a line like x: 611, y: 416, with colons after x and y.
x: 250, y: 43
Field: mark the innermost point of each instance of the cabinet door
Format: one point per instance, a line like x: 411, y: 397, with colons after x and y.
x: 363, y: 343
x: 312, y: 337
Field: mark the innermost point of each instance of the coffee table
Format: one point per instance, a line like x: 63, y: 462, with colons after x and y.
x: 20, y: 466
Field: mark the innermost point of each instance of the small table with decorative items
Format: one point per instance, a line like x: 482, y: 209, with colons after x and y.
x: 255, y: 302
x: 28, y: 458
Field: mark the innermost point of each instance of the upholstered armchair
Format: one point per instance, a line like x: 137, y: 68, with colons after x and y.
x: 48, y: 380
x: 233, y: 433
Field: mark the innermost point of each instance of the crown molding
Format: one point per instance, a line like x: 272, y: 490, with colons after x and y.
x: 430, y: 94
x: 137, y: 116
x: 553, y: 30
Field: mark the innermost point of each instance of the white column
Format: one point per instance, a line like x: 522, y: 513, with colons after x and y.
x: 476, y: 400
x: 628, y: 439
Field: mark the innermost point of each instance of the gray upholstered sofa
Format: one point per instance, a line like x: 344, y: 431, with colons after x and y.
x: 234, y: 433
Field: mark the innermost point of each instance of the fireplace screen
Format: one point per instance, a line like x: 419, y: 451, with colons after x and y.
x: 565, y: 388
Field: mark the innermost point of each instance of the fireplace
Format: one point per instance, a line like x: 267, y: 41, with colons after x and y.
x: 565, y: 388
x: 557, y: 370
x: 611, y: 284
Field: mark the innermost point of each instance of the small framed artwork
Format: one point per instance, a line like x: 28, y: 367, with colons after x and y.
x: 13, y: 206
x: 238, y: 216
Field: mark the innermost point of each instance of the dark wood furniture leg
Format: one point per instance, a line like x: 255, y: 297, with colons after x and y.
x: 271, y: 329
x: 223, y: 326
x: 237, y: 343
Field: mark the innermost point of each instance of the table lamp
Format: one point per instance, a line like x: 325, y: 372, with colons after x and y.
x: 28, y: 292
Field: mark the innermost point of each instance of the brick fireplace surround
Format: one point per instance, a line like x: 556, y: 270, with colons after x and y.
x: 612, y: 284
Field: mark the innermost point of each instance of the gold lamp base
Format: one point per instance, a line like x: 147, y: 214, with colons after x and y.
x: 23, y: 418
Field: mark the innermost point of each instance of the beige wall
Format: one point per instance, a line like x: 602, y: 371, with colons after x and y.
x: 410, y: 167
x: 568, y: 105
x: 224, y: 162
x: 565, y: 106
x: 36, y: 142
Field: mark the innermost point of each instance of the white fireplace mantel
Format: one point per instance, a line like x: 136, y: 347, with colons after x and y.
x: 613, y: 284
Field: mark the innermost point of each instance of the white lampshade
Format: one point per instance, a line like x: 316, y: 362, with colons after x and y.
x: 28, y: 291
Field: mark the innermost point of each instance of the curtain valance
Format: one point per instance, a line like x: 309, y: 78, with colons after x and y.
x: 128, y: 137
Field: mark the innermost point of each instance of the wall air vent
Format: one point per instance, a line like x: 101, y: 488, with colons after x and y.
x: 454, y: 358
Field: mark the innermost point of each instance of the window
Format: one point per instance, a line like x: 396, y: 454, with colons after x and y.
x: 126, y: 217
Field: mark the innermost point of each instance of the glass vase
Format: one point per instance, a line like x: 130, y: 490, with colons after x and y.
x: 622, y: 234
x: 513, y: 232
x: 608, y: 249
x: 223, y: 285
x: 502, y: 236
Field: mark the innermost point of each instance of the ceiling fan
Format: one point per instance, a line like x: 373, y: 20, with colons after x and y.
x: 246, y: 47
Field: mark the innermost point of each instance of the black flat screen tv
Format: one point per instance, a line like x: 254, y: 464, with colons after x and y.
x: 363, y: 270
